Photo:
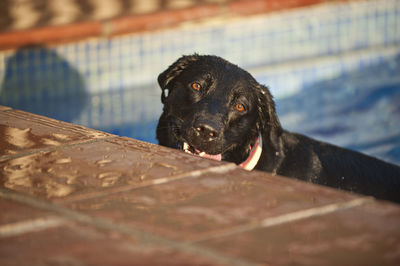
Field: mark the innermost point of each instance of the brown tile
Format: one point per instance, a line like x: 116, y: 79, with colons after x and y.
x: 193, y: 208
x: 80, y: 245
x: 81, y: 171
x: 365, y: 235
x: 12, y: 212
x: 4, y: 108
x: 23, y: 132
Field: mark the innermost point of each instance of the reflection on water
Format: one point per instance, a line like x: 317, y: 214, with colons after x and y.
x: 34, y: 172
x: 14, y: 139
x: 29, y: 172
x: 358, y: 110
x: 18, y: 137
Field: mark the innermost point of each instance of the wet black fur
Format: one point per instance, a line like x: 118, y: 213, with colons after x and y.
x: 190, y: 115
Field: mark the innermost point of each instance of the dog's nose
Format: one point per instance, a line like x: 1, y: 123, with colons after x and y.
x: 206, y: 131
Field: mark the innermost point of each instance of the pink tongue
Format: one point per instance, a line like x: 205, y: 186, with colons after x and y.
x: 216, y: 157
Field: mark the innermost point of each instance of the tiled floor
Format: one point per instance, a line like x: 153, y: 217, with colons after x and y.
x: 75, y: 196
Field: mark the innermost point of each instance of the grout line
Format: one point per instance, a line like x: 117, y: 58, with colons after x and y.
x: 32, y: 225
x: 54, y: 148
x: 125, y: 188
x: 288, y: 218
x: 314, y: 212
x: 145, y: 238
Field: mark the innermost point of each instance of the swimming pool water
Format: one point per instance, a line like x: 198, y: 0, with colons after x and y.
x: 360, y: 110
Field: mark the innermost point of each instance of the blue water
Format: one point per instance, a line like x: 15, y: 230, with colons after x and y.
x: 360, y: 110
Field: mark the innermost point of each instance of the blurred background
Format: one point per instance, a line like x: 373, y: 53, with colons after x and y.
x: 332, y: 66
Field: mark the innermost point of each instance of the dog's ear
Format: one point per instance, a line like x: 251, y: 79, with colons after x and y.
x: 270, y: 129
x: 173, y: 71
x: 268, y: 119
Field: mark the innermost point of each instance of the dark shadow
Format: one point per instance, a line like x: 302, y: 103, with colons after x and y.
x: 359, y: 110
x: 38, y: 80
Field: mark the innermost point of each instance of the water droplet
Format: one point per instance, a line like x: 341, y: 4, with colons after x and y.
x: 97, y: 135
x: 104, y: 161
x: 64, y: 160
x: 61, y: 136
x: 109, y: 178
x: 109, y: 174
x: 19, y: 137
x: 58, y: 190
x: 51, y: 142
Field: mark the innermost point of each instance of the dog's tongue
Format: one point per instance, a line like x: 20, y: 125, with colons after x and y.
x: 216, y: 157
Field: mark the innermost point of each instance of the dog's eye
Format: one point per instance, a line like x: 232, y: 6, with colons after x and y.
x: 196, y: 86
x: 240, y: 107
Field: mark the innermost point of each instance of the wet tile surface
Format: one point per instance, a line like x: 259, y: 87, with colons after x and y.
x: 4, y: 108
x: 76, y: 172
x: 12, y: 212
x: 195, y: 208
x: 365, y: 235
x: 80, y: 245
x: 22, y: 132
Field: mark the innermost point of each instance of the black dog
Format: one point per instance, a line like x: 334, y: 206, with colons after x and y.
x: 216, y: 110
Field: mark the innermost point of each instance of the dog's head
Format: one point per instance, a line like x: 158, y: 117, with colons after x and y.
x: 214, y: 109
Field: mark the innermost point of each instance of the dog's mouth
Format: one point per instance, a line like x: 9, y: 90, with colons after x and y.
x: 192, y: 150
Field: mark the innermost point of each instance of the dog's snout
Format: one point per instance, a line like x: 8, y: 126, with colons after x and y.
x: 206, y: 130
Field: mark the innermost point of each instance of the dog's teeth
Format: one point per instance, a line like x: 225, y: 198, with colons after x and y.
x: 186, y: 148
x: 201, y: 154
